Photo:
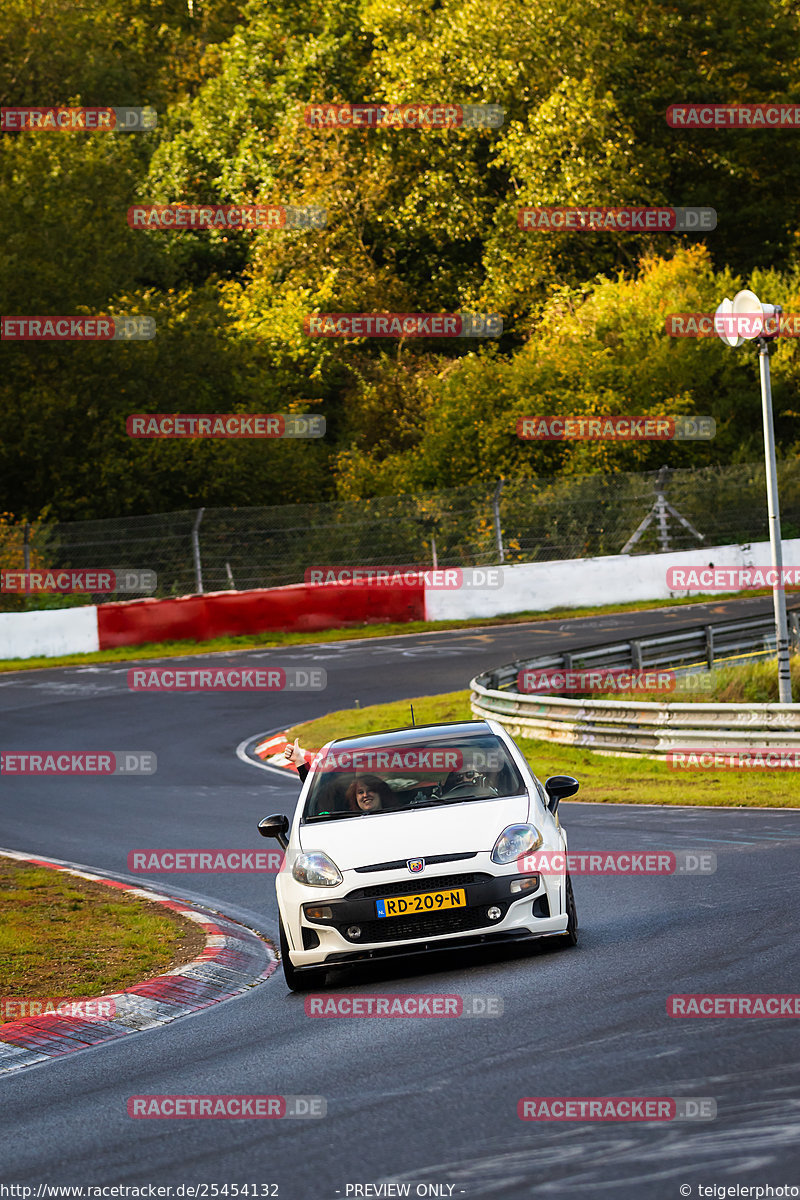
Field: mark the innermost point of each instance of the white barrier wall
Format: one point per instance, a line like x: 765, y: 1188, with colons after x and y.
x: 529, y: 587
x: 49, y: 632
x: 585, y: 582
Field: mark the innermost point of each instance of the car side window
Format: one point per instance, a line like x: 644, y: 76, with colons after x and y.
x: 330, y: 799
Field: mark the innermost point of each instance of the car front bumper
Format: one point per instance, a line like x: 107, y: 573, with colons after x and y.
x: 539, y: 912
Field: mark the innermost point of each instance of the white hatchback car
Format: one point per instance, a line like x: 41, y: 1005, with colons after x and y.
x: 411, y: 841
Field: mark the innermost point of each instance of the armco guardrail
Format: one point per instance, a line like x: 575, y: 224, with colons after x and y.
x: 631, y: 727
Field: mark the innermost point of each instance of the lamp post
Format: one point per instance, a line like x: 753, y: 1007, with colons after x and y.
x: 745, y: 318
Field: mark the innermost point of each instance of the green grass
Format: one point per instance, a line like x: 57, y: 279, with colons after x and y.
x: 62, y: 936
x: 270, y: 638
x: 745, y: 683
x: 603, y: 778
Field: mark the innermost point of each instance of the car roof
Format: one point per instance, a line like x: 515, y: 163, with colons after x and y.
x: 400, y: 737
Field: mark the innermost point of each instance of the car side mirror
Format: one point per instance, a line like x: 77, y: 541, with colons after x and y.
x: 276, y: 826
x: 558, y: 787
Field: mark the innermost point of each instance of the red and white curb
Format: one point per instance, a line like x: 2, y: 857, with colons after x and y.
x: 271, y: 751
x: 235, y: 958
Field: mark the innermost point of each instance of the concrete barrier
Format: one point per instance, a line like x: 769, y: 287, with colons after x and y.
x: 298, y: 608
x: 49, y: 632
x: 590, y: 582
x: 526, y: 587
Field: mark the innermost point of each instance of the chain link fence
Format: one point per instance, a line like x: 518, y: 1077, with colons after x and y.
x: 515, y: 520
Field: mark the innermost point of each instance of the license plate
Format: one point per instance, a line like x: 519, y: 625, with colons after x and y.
x: 424, y: 902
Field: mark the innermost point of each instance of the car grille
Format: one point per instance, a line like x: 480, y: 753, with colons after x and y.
x: 408, y: 887
x: 397, y: 929
x: 399, y: 863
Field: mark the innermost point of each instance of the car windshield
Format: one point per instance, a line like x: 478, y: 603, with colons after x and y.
x: 393, y: 773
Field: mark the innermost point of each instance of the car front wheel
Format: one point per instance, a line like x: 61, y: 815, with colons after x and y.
x: 572, y: 914
x: 297, y: 981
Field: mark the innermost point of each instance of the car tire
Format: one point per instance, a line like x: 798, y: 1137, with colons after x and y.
x: 572, y: 914
x: 296, y: 981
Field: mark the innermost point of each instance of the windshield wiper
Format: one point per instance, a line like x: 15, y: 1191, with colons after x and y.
x: 458, y: 799
x: 434, y: 800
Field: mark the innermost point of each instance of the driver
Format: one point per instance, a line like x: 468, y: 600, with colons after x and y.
x: 460, y: 778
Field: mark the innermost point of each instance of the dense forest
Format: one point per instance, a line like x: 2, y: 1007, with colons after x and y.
x: 418, y: 220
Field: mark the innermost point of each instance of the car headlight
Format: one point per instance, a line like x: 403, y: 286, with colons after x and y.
x: 317, y: 870
x: 514, y: 841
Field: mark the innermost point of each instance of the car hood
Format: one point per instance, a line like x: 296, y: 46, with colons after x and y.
x: 424, y: 832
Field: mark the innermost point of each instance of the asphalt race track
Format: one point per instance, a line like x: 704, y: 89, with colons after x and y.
x: 413, y: 1101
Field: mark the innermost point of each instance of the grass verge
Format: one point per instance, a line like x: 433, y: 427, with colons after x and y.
x: 260, y: 641
x: 753, y: 682
x: 603, y: 778
x: 62, y: 936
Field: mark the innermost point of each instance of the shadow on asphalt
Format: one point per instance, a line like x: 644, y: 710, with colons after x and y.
x: 438, y: 964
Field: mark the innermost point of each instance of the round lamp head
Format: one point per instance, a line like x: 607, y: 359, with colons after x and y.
x: 745, y: 318
x: 748, y: 313
x: 724, y: 325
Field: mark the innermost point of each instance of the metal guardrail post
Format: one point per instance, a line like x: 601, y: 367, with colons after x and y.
x: 198, y: 573
x: 794, y: 627
x: 498, y: 533
x: 709, y: 646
